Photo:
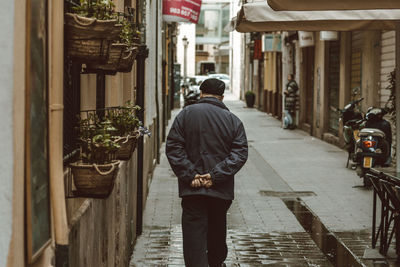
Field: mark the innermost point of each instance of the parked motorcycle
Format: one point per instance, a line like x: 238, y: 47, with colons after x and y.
x: 373, y: 148
x: 191, y: 98
x: 368, y: 139
x: 352, y: 119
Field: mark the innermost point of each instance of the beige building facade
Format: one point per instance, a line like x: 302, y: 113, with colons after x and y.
x: 330, y: 73
x: 42, y: 222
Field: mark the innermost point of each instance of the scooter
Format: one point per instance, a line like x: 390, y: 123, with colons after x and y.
x: 352, y: 119
x: 191, y: 98
x: 373, y: 148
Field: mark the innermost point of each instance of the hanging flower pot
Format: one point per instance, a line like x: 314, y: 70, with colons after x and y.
x: 89, y: 39
x: 95, y: 173
x: 136, y: 40
x: 94, y: 180
x: 126, y: 62
x: 127, y: 146
x: 120, y: 59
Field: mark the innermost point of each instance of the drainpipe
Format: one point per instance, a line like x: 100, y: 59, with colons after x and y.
x: 140, y: 73
x: 397, y: 96
x: 57, y: 193
x: 171, y: 74
x: 165, y: 100
x: 157, y: 135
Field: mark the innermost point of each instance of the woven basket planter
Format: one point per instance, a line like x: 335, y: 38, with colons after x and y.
x: 88, y: 39
x: 121, y: 58
x: 128, y: 145
x: 96, y: 181
x: 126, y: 63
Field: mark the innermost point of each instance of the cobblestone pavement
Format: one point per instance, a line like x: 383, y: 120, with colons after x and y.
x: 163, y: 247
x: 262, y: 230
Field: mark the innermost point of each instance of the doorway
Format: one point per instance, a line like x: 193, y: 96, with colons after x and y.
x: 307, y: 90
x: 333, y: 86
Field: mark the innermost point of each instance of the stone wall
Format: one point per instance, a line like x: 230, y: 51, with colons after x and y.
x: 103, y: 231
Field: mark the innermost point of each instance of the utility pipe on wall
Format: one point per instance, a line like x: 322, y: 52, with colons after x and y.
x: 141, y: 58
x: 56, y: 72
x: 397, y: 96
x: 157, y: 135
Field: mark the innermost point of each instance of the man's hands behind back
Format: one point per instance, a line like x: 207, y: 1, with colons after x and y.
x: 202, y: 180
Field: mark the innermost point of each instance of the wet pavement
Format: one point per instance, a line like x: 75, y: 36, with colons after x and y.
x: 163, y: 247
x: 294, y: 203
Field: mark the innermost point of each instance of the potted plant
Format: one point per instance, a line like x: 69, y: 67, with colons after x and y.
x: 129, y: 36
x: 126, y: 123
x: 90, y: 29
x: 122, y: 53
x: 95, y: 173
x: 250, y: 98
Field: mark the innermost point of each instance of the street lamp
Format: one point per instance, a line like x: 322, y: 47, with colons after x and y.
x: 216, y: 50
x: 185, y: 45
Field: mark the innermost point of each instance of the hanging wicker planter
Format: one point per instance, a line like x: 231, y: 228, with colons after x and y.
x: 128, y: 145
x: 126, y: 62
x: 89, y: 39
x: 92, y: 180
x: 121, y: 58
x: 136, y: 40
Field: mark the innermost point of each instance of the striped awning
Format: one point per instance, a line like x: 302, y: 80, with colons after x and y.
x: 260, y: 17
x: 303, y: 5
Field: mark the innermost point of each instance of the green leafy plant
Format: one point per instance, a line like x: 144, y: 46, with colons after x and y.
x: 99, y: 9
x: 248, y: 93
x: 129, y: 35
x: 99, y: 137
x: 124, y: 119
x: 97, y: 140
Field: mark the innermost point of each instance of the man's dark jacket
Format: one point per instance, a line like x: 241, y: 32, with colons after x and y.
x: 207, y: 138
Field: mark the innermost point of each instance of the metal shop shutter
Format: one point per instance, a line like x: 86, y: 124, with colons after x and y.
x: 333, y: 82
x: 388, y: 62
x: 356, y: 64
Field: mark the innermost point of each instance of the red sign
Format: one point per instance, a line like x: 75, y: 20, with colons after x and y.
x: 257, y: 49
x: 181, y: 10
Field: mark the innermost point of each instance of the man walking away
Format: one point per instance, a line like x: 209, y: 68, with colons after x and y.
x: 206, y: 147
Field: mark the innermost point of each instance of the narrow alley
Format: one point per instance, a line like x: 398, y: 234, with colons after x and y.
x: 284, y: 168
x: 91, y: 87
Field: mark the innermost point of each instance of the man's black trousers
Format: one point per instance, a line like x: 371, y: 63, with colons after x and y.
x: 204, y: 230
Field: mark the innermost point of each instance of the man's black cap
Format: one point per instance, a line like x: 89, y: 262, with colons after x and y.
x: 213, y: 86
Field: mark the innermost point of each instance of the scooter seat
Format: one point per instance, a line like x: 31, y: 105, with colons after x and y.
x: 371, y: 132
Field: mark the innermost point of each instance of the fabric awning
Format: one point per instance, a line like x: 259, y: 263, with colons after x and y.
x: 302, y: 5
x: 260, y: 17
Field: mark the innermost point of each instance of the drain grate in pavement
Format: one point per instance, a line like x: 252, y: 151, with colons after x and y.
x: 292, y: 194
